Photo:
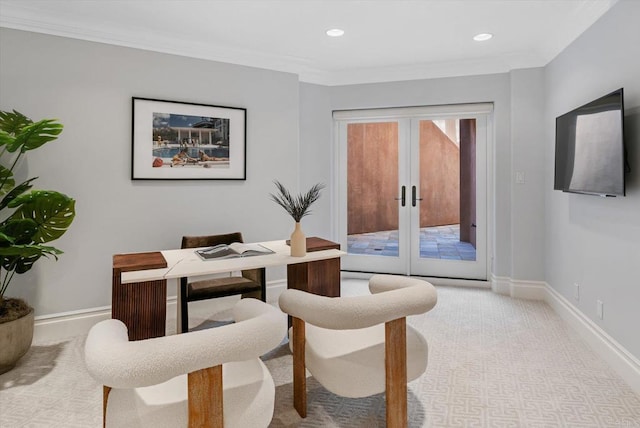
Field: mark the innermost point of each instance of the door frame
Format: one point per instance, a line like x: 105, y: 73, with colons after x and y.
x: 397, y: 114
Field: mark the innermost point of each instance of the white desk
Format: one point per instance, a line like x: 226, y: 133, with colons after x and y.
x: 186, y: 262
x: 139, y: 279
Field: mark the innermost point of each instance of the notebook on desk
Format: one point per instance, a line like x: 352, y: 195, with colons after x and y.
x: 231, y: 251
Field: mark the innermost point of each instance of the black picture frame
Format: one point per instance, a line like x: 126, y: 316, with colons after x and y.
x: 174, y: 140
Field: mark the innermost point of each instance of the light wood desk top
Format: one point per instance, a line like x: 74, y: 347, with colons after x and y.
x: 186, y: 263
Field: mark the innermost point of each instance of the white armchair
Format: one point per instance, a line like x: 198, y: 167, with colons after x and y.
x: 360, y: 346
x: 206, y: 378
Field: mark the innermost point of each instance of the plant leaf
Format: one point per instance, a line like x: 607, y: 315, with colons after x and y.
x: 13, y: 122
x: 6, y: 138
x: 6, y: 239
x: 298, y: 206
x: 15, y: 192
x: 22, y: 257
x: 6, y: 178
x: 52, y: 211
x: 20, y: 230
x: 35, y: 135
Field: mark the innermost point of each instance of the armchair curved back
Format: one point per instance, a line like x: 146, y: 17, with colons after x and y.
x: 394, y: 297
x: 132, y: 368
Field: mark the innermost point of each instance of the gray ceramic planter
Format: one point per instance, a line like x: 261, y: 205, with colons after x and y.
x: 15, y: 341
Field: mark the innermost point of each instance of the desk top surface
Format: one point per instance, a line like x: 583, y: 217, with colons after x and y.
x: 185, y: 262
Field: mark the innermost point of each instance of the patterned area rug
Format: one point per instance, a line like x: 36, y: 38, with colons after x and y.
x: 493, y: 362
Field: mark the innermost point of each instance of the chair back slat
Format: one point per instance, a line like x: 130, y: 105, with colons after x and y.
x: 210, y: 240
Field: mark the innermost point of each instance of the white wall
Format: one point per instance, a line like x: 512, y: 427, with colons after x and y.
x: 316, y: 157
x: 527, y: 157
x: 88, y: 87
x: 594, y: 241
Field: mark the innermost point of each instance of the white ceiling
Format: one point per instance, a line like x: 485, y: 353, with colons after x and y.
x: 383, y: 41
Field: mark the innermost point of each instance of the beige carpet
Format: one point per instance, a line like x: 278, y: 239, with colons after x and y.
x: 493, y: 362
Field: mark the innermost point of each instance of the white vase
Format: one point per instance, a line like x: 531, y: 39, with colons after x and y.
x: 298, y: 242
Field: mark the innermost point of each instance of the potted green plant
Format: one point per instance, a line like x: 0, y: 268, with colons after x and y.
x: 297, y: 207
x: 29, y: 220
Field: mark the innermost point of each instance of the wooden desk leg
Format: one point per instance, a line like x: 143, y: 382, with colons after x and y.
x: 299, y: 368
x: 105, y: 397
x: 395, y: 345
x: 320, y: 277
x: 141, y: 306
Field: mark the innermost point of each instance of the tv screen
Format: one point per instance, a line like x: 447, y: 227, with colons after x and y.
x: 590, y: 148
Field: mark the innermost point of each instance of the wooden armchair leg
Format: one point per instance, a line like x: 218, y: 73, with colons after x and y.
x: 299, y: 368
x: 396, y: 372
x: 105, y: 396
x: 205, y: 398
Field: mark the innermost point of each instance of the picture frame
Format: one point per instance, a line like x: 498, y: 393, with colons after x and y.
x: 174, y: 140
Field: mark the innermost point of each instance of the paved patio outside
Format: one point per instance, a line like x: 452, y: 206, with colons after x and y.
x: 440, y: 242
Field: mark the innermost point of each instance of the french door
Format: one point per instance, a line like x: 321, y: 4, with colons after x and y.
x: 412, y: 190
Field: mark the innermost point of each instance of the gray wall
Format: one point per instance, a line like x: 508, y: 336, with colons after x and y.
x: 88, y: 87
x: 316, y: 156
x: 594, y: 241
x: 527, y: 155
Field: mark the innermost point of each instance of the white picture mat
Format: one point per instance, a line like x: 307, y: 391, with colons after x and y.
x: 142, y: 136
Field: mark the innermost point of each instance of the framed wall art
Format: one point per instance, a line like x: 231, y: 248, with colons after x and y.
x: 186, y: 141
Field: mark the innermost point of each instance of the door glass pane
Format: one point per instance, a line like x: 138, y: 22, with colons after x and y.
x: 448, y: 190
x: 372, y: 188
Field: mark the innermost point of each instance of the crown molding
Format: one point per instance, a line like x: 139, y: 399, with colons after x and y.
x: 474, y: 67
x: 23, y: 18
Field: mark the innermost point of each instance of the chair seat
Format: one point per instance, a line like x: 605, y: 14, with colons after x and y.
x: 217, y: 287
x: 350, y: 363
x: 248, y: 400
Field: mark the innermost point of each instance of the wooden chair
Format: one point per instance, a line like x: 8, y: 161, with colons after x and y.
x: 252, y: 283
x: 208, y: 378
x: 360, y: 346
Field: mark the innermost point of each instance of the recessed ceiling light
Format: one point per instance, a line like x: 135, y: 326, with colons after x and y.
x: 482, y: 37
x: 335, y: 32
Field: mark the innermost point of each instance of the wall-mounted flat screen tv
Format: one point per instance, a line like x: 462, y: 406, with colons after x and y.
x: 590, y: 155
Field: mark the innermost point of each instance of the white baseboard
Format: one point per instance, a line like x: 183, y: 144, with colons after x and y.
x: 519, y: 289
x: 65, y: 325
x: 274, y: 289
x: 77, y: 323
x: 434, y: 280
x: 621, y: 360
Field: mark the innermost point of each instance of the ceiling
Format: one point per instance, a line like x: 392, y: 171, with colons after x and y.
x: 383, y: 41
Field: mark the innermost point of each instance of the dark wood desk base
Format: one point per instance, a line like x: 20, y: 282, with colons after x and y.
x: 320, y: 277
x: 142, y: 306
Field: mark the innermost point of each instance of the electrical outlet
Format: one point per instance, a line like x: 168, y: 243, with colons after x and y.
x: 600, y: 309
x: 576, y: 291
x: 520, y: 177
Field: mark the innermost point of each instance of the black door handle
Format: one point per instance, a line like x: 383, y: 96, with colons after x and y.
x: 403, y: 195
x: 413, y: 196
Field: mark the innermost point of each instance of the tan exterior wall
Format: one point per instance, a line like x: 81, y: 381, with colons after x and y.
x: 439, y: 177
x: 372, y: 177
